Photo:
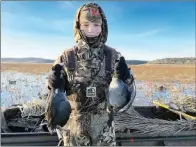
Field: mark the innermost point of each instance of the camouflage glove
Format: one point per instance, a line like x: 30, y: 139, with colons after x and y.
x: 121, y: 70
x: 57, y: 79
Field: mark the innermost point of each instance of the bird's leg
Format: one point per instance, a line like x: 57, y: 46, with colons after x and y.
x: 110, y: 117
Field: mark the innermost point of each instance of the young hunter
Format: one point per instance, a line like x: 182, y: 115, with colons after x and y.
x: 84, y: 72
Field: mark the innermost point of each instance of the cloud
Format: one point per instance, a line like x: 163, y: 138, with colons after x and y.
x: 34, y: 45
x: 128, y: 36
x: 16, y: 44
x: 148, y: 54
x: 33, y: 23
x: 27, y: 34
x: 70, y: 4
x: 14, y: 7
x: 150, y: 33
x: 154, y: 48
x: 67, y: 5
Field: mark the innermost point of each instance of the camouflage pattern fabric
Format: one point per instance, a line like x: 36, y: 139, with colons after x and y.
x: 87, y: 129
x: 90, y: 13
x: 88, y: 123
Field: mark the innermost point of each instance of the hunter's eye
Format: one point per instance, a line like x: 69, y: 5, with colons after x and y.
x: 85, y: 25
x: 97, y: 25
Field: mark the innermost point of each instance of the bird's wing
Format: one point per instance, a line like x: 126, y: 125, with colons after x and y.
x: 130, y: 97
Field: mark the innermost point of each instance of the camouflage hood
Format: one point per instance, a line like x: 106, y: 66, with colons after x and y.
x: 78, y: 35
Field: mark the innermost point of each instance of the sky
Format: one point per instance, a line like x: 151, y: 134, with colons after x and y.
x: 139, y: 30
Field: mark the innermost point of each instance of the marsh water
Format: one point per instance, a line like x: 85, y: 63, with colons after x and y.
x: 19, y: 88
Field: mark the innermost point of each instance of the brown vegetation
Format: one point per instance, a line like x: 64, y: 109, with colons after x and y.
x: 150, y: 72
x: 165, y: 72
x: 34, y: 68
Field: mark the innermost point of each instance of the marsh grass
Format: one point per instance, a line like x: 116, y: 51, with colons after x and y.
x: 144, y: 72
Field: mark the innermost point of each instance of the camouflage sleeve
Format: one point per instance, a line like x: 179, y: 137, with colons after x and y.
x: 67, y: 60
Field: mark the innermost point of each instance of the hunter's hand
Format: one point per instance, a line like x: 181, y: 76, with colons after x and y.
x: 57, y: 78
x: 121, y: 70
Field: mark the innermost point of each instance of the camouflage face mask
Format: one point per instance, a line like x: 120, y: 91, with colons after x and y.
x: 90, y: 12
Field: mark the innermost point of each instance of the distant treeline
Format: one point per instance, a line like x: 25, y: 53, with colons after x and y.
x: 186, y: 60
x: 191, y: 60
x: 26, y: 60
x: 41, y: 60
x: 135, y: 62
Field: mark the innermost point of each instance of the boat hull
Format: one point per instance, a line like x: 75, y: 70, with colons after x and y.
x: 20, y: 138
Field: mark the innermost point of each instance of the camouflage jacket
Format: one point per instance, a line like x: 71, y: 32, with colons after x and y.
x: 95, y: 72
x: 88, y: 66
